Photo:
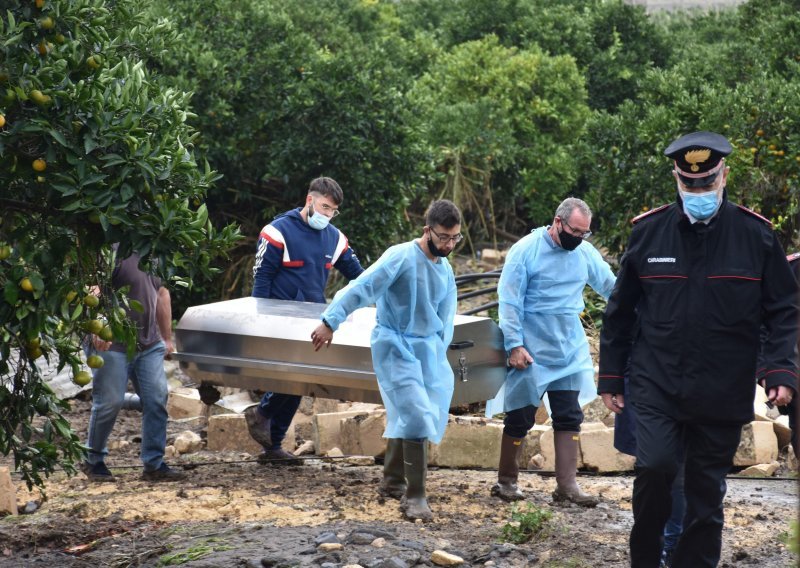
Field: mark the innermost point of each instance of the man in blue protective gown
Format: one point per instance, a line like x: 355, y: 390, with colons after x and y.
x: 541, y: 298
x: 415, y: 292
x: 294, y: 256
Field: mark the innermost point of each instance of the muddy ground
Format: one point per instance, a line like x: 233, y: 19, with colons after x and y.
x: 233, y: 511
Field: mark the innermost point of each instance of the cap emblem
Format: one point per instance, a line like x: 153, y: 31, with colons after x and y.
x: 697, y: 156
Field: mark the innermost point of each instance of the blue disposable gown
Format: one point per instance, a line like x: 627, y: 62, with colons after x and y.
x: 416, y: 305
x: 541, y: 298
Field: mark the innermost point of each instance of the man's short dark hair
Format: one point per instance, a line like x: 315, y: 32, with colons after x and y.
x: 443, y: 213
x: 327, y: 187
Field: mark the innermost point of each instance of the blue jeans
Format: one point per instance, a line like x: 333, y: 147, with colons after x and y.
x: 110, y: 382
x: 280, y: 409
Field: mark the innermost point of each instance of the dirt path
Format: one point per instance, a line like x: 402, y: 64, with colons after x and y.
x: 248, y: 514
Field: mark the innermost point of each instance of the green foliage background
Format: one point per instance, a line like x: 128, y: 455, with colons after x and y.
x: 167, y: 125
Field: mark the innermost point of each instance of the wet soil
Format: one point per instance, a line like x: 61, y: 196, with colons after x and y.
x: 234, y: 511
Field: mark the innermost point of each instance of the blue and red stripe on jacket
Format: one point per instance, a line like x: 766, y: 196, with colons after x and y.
x: 293, y: 260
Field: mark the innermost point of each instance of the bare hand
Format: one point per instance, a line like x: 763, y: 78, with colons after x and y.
x: 780, y: 396
x: 519, y: 358
x: 322, y: 335
x: 614, y: 402
x: 169, y: 349
x: 99, y: 344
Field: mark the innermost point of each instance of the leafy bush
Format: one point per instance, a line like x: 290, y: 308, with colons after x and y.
x: 92, y: 152
x: 526, y: 524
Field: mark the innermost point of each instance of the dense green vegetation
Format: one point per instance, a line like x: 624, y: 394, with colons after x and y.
x: 164, y: 125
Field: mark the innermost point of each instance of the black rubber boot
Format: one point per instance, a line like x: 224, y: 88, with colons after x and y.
x: 394, y: 476
x: 415, y: 461
x: 508, y: 470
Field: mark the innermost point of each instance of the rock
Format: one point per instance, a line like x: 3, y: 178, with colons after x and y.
x: 327, y: 429
x: 305, y: 448
x: 359, y: 460
x: 116, y: 445
x: 326, y: 537
x: 363, y: 434
x: 170, y: 452
x: 30, y: 507
x: 334, y: 453
x: 598, y: 451
x: 760, y: 470
x: 468, y: 442
x: 536, y: 462
x: 184, y: 403
x: 228, y: 432
x: 330, y: 546
x: 379, y: 542
x: 8, y: 495
x: 360, y: 538
x: 491, y: 255
x: 758, y: 444
x: 412, y: 544
x: 188, y: 442
x: 782, y: 431
x: 442, y: 558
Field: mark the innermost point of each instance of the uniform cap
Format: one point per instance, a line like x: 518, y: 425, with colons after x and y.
x: 698, y: 157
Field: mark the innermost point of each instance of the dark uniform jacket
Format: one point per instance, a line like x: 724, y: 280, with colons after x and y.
x: 702, y: 293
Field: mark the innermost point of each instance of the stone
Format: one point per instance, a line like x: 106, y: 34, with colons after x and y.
x: 598, y: 452
x: 330, y: 546
x: 327, y: 429
x: 115, y: 445
x: 760, y: 470
x: 188, y: 442
x: 359, y: 460
x: 363, y: 434
x: 326, y: 536
x: 185, y: 403
x: 468, y: 442
x: 782, y: 431
x: 542, y: 417
x: 442, y: 558
x: 170, y: 452
x: 379, y: 542
x: 536, y: 462
x: 334, y: 453
x: 8, y: 495
x: 531, y: 446
x: 228, y: 432
x: 491, y: 255
x: 595, y: 411
x: 324, y: 405
x: 305, y: 448
x: 758, y: 444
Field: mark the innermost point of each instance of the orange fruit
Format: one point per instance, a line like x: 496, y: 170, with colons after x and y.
x: 94, y: 326
x: 82, y: 378
x: 2, y: 121
x: 39, y: 165
x: 92, y: 301
x: 26, y: 284
x: 106, y: 334
x: 95, y: 361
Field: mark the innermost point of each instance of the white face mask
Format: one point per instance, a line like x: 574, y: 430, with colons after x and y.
x: 317, y: 220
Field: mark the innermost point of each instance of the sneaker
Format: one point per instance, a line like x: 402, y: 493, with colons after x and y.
x: 258, y: 426
x: 163, y: 473
x: 97, y: 472
x: 279, y: 457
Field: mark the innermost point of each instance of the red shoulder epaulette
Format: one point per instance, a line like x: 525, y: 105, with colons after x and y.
x: 648, y: 213
x: 754, y: 214
x: 792, y: 257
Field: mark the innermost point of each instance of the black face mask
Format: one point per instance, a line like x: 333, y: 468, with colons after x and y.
x: 435, y: 251
x: 568, y: 242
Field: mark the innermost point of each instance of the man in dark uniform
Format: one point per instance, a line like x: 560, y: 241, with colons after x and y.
x: 699, y: 278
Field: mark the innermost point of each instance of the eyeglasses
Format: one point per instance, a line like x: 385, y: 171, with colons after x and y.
x: 326, y: 209
x: 575, y: 231
x: 447, y: 238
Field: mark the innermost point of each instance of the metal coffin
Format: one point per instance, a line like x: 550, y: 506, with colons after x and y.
x: 262, y: 344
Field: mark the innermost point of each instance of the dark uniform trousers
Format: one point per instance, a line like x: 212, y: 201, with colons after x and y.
x: 565, y: 412
x: 710, y: 449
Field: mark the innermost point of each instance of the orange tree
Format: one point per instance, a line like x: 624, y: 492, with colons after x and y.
x: 92, y: 152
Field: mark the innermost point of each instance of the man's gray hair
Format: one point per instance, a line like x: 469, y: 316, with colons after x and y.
x: 569, y: 205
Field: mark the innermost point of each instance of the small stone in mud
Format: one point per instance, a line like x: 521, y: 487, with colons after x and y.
x: 330, y: 546
x: 275, y: 562
x: 379, y: 542
x: 442, y: 558
x: 412, y: 544
x: 360, y: 538
x: 326, y: 537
